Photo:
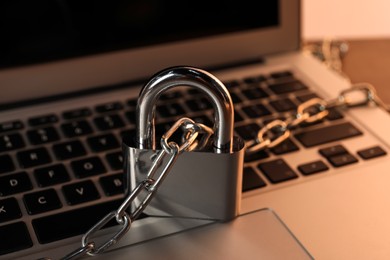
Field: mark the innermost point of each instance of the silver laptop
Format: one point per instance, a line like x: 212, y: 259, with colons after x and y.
x: 70, y: 75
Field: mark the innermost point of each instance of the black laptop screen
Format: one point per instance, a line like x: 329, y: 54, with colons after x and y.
x: 47, y: 30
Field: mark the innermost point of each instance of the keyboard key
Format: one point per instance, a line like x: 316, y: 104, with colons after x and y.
x: 342, y: 160
x: 287, y: 87
x: 283, y: 105
x: 199, y: 104
x: 103, y: 142
x: 306, y: 97
x: 42, y: 201
x: 282, y: 74
x: 16, y: 238
x: 108, y: 122
x: 33, y: 157
x: 254, y: 79
x: 43, y: 135
x: 112, y: 184
x: 170, y: 110
x: 43, y: 120
x: 256, y: 111
x: 313, y: 167
x: 88, y: 167
x: 11, y: 142
x: 236, y: 99
x: 115, y: 160
x: 171, y: 94
x: 277, y: 171
x: 109, y: 107
x: 254, y: 93
x: 256, y: 156
x: 251, y: 180
x: 69, y: 150
x: 248, y: 132
x: 371, y: 152
x: 51, y: 175
x: 6, y: 164
x: 11, y: 126
x: 14, y: 183
x: 76, y: 128
x: 77, y: 113
x: 9, y: 210
x: 333, y: 150
x: 334, y: 114
x: 286, y: 146
x: 52, y: 228
x: 327, y: 134
x: 80, y: 192
x: 131, y: 117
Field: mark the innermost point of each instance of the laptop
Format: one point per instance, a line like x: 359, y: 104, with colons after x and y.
x: 70, y: 76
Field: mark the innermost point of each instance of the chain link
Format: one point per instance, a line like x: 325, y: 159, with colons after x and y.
x: 154, y: 178
x: 312, y: 111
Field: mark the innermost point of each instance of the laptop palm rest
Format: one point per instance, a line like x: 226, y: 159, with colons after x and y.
x: 259, y: 234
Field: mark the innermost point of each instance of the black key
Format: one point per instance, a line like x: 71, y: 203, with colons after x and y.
x: 15, y: 237
x: 130, y: 115
x: 108, y: 122
x: 6, y: 164
x: 237, y: 116
x: 169, y: 110
x: 256, y: 111
x: 80, y: 192
x: 169, y: 95
x: 112, y: 184
x: 69, y: 150
x: 76, y: 128
x: 287, y: 87
x: 43, y: 135
x: 9, y: 210
x: 248, y: 132
x: 51, y: 175
x: 132, y: 103
x: 199, y: 104
x: 283, y: 105
x: 33, y: 157
x: 286, y: 146
x: 88, y: 167
x: 77, y: 113
x: 42, y: 201
x: 333, y: 150
x: 231, y: 84
x: 43, y: 120
x: 327, y: 134
x: 313, y: 167
x: 14, y: 183
x: 277, y: 171
x: 11, y: 126
x: 109, y: 107
x: 115, y: 160
x: 254, y: 79
x: 251, y: 180
x: 282, y: 74
x: 256, y: 156
x: 342, y: 160
x: 334, y: 114
x: 254, y: 93
x: 306, y: 97
x: 52, y: 228
x: 370, y: 153
x: 203, y: 119
x: 103, y: 142
x: 11, y: 142
x: 236, y: 99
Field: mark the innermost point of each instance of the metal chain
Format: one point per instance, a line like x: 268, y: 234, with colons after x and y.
x: 312, y: 111
x: 150, y: 185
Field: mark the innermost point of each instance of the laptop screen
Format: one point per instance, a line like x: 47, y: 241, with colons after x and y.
x: 39, y: 31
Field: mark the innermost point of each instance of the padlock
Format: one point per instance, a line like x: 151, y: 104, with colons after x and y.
x: 203, y: 184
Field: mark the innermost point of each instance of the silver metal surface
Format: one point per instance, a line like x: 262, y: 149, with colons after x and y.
x: 192, y: 77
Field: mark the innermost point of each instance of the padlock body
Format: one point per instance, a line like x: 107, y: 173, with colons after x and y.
x: 199, y: 185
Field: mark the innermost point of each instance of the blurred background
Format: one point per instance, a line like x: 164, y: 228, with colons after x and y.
x: 361, y: 28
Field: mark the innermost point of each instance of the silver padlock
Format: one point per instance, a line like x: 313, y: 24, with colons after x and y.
x: 201, y: 184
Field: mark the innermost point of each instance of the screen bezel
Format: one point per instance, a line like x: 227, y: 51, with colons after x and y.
x: 79, y: 74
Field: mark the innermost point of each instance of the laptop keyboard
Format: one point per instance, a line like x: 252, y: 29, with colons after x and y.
x: 66, y: 167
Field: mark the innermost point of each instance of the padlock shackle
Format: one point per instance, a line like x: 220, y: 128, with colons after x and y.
x: 191, y: 77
